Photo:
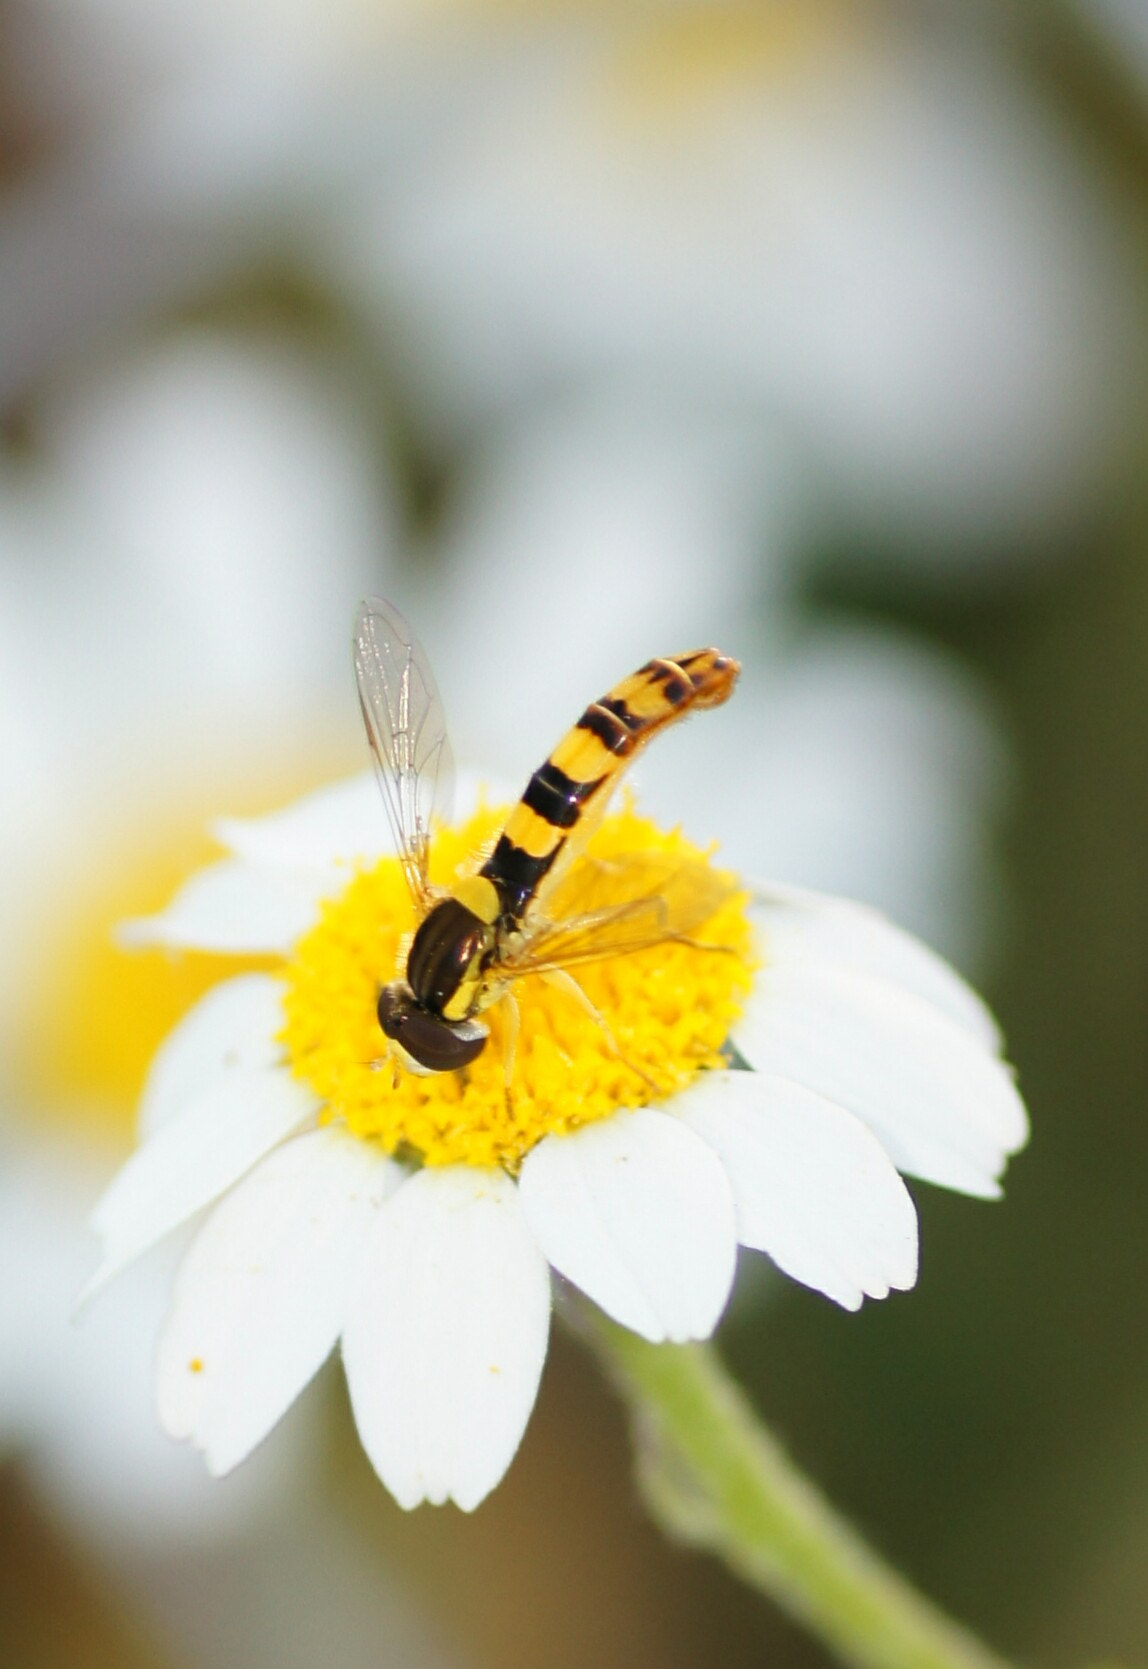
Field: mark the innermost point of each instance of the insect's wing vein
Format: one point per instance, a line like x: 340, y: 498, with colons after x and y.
x: 619, y: 907
x: 406, y: 728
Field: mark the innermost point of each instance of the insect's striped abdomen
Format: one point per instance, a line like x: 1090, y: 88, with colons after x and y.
x: 589, y: 759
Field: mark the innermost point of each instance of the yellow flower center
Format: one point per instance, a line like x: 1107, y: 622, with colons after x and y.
x: 667, y: 1010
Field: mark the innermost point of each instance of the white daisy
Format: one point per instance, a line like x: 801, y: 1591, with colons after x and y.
x: 874, y: 236
x: 178, y: 525
x: 417, y: 1218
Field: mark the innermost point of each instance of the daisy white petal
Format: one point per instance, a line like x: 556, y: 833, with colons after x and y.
x: 637, y: 1211
x: 262, y: 1295
x: 942, y: 1107
x: 190, y: 1160
x: 237, y: 908
x: 332, y: 826
x: 445, y: 1344
x: 835, y: 932
x: 232, y: 1028
x: 813, y: 1186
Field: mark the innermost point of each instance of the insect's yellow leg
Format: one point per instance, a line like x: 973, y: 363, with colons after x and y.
x: 509, y: 1036
x: 560, y: 980
x: 387, y: 1058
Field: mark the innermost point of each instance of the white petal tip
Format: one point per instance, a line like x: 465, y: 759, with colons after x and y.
x: 221, y: 1454
x: 444, y: 1351
x: 138, y: 932
x: 638, y: 1212
x: 854, y: 1299
x: 179, y: 1431
x: 468, y: 1503
x: 227, y: 831
x: 980, y: 1188
x: 652, y: 1331
x: 219, y: 1462
x: 79, y: 1310
x: 424, y: 1495
x: 900, y: 1279
x: 687, y: 1334
x: 92, y: 1288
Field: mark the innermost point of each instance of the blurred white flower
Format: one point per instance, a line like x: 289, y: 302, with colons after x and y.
x: 76, y: 1401
x: 863, y: 224
x: 178, y: 556
x: 871, y: 233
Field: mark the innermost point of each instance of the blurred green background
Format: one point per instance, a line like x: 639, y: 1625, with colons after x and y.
x: 938, y: 441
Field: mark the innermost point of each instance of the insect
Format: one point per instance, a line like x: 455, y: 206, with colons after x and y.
x: 539, y: 904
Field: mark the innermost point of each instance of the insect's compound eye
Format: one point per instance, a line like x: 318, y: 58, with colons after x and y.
x: 436, y: 1044
x: 395, y: 1003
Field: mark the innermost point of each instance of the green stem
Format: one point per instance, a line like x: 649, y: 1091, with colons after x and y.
x: 712, y: 1475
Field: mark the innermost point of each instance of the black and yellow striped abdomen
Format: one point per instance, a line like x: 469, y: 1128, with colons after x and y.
x: 587, y: 762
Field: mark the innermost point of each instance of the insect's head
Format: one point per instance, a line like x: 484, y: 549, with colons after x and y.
x: 424, y: 1041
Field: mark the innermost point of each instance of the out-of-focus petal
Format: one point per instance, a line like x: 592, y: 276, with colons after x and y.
x: 335, y: 824
x: 231, y: 1029
x: 236, y: 908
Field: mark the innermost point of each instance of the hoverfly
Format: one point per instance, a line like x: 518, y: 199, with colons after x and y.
x: 539, y: 904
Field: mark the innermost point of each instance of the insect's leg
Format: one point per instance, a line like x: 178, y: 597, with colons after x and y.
x: 563, y: 981
x: 700, y: 944
x: 510, y: 1036
x: 560, y: 980
x: 387, y: 1058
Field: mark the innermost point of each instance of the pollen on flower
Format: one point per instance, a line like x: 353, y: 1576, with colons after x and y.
x: 669, y: 1010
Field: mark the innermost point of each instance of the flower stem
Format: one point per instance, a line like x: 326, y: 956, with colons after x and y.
x: 712, y: 1475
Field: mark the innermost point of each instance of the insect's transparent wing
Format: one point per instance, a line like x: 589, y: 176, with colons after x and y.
x: 616, y: 907
x: 406, y: 728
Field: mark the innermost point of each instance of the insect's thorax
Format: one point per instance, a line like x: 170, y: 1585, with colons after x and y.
x: 451, y: 951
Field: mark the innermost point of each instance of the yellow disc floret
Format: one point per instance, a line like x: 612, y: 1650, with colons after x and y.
x: 666, y: 1013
